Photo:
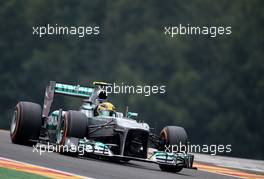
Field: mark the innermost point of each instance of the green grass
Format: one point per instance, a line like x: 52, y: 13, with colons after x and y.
x: 14, y: 174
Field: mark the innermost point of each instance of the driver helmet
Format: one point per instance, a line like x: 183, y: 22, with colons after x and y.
x: 106, y: 109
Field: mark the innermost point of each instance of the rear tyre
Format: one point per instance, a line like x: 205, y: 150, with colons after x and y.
x: 26, y: 123
x: 73, y: 124
x: 173, y: 136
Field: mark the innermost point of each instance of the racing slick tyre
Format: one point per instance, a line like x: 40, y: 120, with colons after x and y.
x: 73, y: 124
x: 26, y: 123
x: 169, y: 168
x: 171, y: 137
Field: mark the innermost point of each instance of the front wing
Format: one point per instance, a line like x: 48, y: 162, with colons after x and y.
x: 90, y: 147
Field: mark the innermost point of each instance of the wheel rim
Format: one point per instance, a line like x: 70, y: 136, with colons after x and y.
x: 60, y: 132
x: 14, y: 122
x: 164, y: 136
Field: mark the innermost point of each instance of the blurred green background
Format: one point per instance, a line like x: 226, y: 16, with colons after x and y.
x: 214, y: 86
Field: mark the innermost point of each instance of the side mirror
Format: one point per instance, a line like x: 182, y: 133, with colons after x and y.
x: 132, y: 115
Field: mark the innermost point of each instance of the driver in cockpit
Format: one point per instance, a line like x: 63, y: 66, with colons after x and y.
x: 105, y: 109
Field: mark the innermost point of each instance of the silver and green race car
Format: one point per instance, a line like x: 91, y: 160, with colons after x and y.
x: 117, y: 137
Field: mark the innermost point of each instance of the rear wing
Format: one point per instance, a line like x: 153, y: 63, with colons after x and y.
x: 71, y: 90
x: 64, y: 89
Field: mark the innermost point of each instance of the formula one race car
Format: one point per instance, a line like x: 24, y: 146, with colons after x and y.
x: 97, y: 129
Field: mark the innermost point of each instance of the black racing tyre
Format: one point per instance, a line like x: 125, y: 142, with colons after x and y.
x: 26, y: 123
x: 169, y: 168
x: 124, y: 161
x: 173, y: 136
x: 73, y: 124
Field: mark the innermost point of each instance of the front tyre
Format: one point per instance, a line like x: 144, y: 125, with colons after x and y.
x: 26, y: 123
x: 171, y: 137
x: 169, y: 168
x: 73, y: 124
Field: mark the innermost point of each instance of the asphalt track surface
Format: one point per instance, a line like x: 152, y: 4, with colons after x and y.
x: 93, y: 167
